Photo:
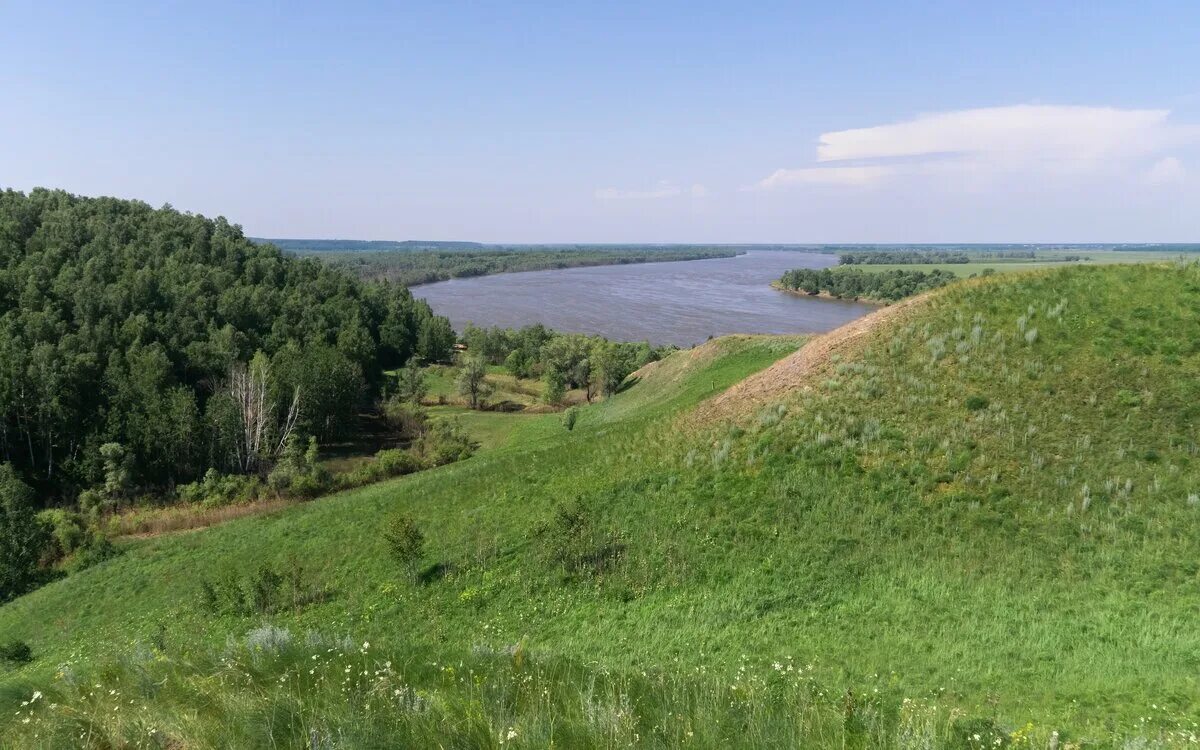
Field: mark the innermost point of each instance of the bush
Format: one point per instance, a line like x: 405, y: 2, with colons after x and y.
x: 976, y: 403
x: 297, y: 473
x: 15, y: 653
x: 444, y: 442
x: 68, y: 531
x: 405, y: 541
x: 96, y: 548
x: 217, y: 489
x: 407, y: 418
x: 569, y: 418
x: 266, y: 590
x: 573, y: 542
x: 388, y: 463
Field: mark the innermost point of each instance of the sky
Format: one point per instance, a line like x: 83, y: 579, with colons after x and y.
x: 558, y: 121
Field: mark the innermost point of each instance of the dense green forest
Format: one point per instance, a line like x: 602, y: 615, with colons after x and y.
x: 424, y: 267
x: 177, y: 343
x: 852, y: 283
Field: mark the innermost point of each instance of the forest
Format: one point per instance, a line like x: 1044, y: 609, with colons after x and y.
x: 887, y: 286
x: 154, y: 345
x: 428, y: 266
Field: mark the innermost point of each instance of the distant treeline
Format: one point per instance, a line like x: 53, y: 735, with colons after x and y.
x: 368, y: 246
x: 413, y: 268
x: 855, y: 284
x: 910, y: 257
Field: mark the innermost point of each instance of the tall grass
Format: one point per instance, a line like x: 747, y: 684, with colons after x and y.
x: 272, y: 689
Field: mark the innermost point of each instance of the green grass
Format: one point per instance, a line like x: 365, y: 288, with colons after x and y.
x: 493, y: 429
x: 991, y: 528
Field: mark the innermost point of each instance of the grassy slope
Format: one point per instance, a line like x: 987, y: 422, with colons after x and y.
x: 1034, y: 559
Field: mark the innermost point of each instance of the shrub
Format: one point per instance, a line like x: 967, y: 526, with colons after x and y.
x: 15, y: 652
x: 95, y: 548
x: 297, y: 473
x: 217, y: 489
x: 68, y: 531
x: 975, y: 403
x: 444, y: 442
x: 573, y: 542
x: 569, y: 418
x: 388, y: 463
x: 266, y: 590
x: 405, y: 541
x: 407, y: 418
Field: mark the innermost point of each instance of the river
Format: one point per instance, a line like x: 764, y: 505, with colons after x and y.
x: 681, y: 302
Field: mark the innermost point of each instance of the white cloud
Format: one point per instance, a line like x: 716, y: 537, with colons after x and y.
x: 1165, y: 171
x: 979, y: 144
x: 1025, y: 130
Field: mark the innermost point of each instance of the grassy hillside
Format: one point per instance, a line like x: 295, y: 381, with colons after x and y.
x: 977, y: 528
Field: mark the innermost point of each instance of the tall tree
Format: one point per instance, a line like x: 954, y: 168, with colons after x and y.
x: 472, y: 380
x: 23, y: 537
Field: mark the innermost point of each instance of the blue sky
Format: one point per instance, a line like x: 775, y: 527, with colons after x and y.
x: 615, y: 122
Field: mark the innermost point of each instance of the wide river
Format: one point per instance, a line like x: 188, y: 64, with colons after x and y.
x: 682, y: 302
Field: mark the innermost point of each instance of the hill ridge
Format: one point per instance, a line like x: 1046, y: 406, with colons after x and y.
x: 796, y: 370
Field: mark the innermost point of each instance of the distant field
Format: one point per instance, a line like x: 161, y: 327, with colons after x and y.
x: 1048, y: 259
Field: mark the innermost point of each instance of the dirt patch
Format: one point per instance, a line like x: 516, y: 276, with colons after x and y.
x: 799, y: 370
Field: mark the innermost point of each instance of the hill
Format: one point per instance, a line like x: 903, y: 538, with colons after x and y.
x: 971, y: 524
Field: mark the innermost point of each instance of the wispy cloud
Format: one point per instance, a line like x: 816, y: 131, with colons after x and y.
x: 990, y: 141
x: 663, y: 189
x: 848, y: 176
x: 1166, y: 171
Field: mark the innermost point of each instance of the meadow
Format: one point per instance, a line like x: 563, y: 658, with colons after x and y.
x: 976, y: 529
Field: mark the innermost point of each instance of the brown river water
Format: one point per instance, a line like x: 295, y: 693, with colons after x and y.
x: 681, y: 303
